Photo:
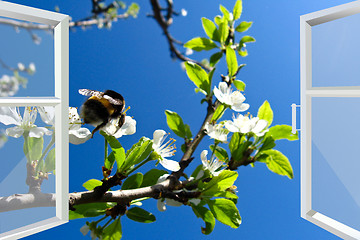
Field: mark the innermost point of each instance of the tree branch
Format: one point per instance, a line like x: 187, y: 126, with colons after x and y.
x: 164, y: 23
x: 22, y: 201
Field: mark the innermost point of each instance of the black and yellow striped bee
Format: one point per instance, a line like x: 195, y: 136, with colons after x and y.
x: 101, y: 107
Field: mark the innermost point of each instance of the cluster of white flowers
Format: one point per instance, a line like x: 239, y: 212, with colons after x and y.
x: 77, y: 134
x: 9, y: 85
x: 165, y: 150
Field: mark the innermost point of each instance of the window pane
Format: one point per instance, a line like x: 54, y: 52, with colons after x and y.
x: 26, y: 60
x: 335, y: 158
x: 335, y: 53
x: 27, y: 162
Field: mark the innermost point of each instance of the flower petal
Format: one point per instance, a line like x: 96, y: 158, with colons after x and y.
x: 170, y: 164
x: 223, y: 87
x: 9, y: 115
x: 158, y: 137
x: 38, y: 132
x: 231, y: 126
x: 47, y: 114
x: 161, y: 205
x: 172, y: 202
x: 128, y: 128
x: 195, y: 201
x: 240, y: 107
x: 15, y: 132
x: 79, y: 136
x: 74, y: 119
x: 260, y: 125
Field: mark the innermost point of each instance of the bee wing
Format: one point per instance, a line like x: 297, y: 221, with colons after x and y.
x: 113, y: 101
x: 88, y: 92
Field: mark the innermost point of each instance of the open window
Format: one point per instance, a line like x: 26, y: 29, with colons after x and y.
x: 330, y: 119
x: 34, y: 116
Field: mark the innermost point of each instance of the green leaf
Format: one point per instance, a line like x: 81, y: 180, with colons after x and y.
x: 246, y: 39
x: 188, y: 133
x: 113, y: 231
x: 231, y: 61
x: 243, y: 26
x: 117, y: 149
x: 33, y: 148
x: 240, y: 85
x: 198, y: 76
x: 226, y: 194
x: 199, y: 44
x: 235, y: 142
x: 243, y: 53
x: 91, y: 184
x: 133, y: 10
x: 237, y: 9
x: 84, y: 210
x: 282, y: 132
x: 119, y: 155
x: 225, y: 12
x: 224, y: 31
x: 219, y: 112
x: 269, y: 143
x: 218, y: 19
x: 265, y: 112
x: 206, y: 215
x: 220, y: 183
x: 278, y: 163
x: 220, y: 153
x: 214, y: 59
x: 175, y: 123
x: 109, y: 162
x: 210, y: 29
x: 196, y: 171
x: 50, y: 161
x: 138, y: 152
x: 132, y: 182
x: 225, y: 211
x: 140, y: 215
x: 151, y: 177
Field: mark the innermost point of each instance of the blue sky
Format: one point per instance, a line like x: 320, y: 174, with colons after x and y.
x: 133, y: 59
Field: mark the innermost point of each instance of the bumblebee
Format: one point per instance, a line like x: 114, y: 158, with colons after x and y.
x: 101, y: 107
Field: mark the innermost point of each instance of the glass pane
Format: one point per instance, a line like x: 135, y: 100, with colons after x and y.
x: 26, y: 59
x: 335, y: 158
x: 335, y: 53
x: 27, y: 163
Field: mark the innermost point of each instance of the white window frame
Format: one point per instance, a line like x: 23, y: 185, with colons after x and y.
x: 60, y: 101
x: 307, y: 93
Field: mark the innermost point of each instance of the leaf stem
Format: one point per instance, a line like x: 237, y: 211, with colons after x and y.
x: 139, y: 165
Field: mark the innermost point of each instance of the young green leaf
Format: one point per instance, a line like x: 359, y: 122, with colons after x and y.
x: 243, y: 53
x: 206, y: 215
x: 231, y: 61
x: 219, y: 112
x: 220, y: 153
x: 132, y: 182
x: 240, y: 85
x: 138, y: 152
x: 109, y: 161
x: 91, y: 184
x: 220, y: 183
x: 215, y: 58
x: 278, y: 163
x: 210, y: 29
x: 81, y: 211
x: 49, y: 165
x: 235, y: 142
x: 151, y: 177
x: 237, y: 9
x: 113, y: 231
x: 198, y: 76
x: 225, y: 12
x: 223, y: 31
x: 175, y: 123
x: 218, y: 19
x: 282, y: 132
x: 269, y: 143
x: 188, y: 133
x: 246, y: 39
x: 243, y: 26
x: 265, y: 112
x: 225, y: 211
x: 119, y: 154
x: 140, y: 215
x: 199, y: 44
x: 226, y: 194
x: 33, y: 148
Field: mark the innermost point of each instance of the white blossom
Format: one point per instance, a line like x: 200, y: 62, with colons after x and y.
x: 244, y: 124
x: 21, y: 66
x: 128, y: 128
x: 184, y: 12
x: 165, y: 150
x: 8, y: 86
x: 32, y: 67
x: 11, y: 115
x: 189, y: 51
x: 214, y: 165
x: 235, y: 100
x: 217, y: 132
